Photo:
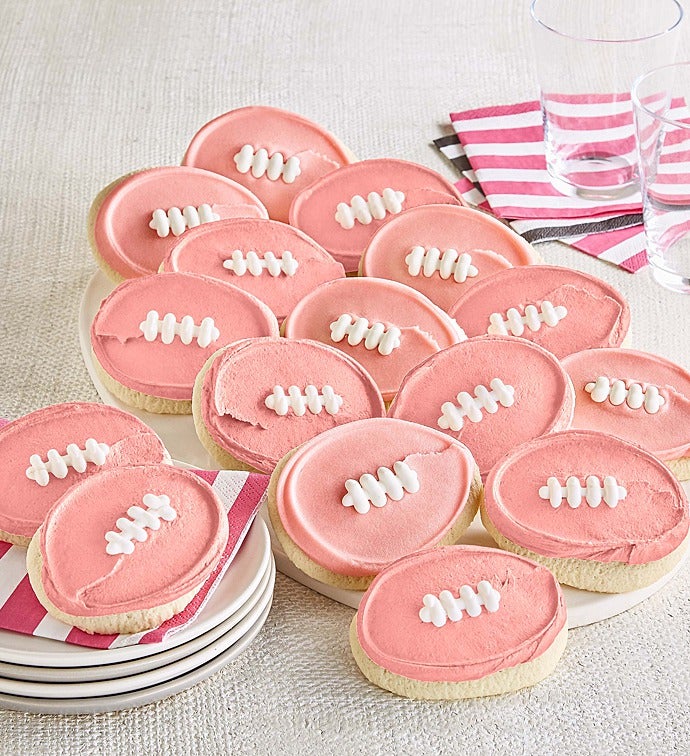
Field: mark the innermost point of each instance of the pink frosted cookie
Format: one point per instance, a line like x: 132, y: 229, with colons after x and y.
x: 637, y: 396
x: 601, y: 513
x: 273, y: 152
x: 560, y: 309
x: 459, y: 622
x: 51, y: 449
x: 386, y: 326
x: 344, y: 209
x: 135, y: 221
x: 443, y: 250
x: 152, y: 335
x: 356, y: 498
x: 491, y: 393
x: 257, y: 399
x: 125, y: 550
x: 273, y: 261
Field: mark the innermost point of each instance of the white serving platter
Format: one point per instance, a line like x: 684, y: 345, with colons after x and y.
x: 238, y: 584
x: 177, y: 432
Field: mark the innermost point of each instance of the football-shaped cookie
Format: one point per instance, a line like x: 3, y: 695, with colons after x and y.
x: 272, y: 152
x: 491, y: 393
x: 459, y: 622
x: 601, y: 513
x: 273, y: 261
x: 561, y: 309
x: 259, y: 398
x: 135, y: 221
x: 344, y: 209
x: 49, y: 450
x: 386, y: 326
x: 443, y: 250
x: 152, y: 335
x: 122, y: 551
x: 637, y: 396
x: 356, y: 498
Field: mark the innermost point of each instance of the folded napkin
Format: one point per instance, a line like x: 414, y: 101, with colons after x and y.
x: 615, y: 238
x: 241, y: 493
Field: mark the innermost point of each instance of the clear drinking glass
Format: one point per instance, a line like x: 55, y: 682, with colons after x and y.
x: 662, y: 119
x: 588, y: 53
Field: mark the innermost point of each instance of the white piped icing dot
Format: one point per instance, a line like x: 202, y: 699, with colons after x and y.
x: 375, y: 336
x: 593, y: 491
x: 470, y: 407
x: 515, y: 322
x: 169, y: 327
x: 437, y: 609
x: 178, y: 221
x: 157, y: 508
x: 255, y: 265
x: 58, y: 464
x: 299, y: 402
x: 388, y: 483
x: 617, y: 391
x: 375, y: 206
x: 260, y: 164
x: 427, y: 261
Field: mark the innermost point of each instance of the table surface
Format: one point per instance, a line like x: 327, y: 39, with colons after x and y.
x: 90, y: 91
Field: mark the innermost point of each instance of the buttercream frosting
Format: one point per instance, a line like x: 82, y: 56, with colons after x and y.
x: 420, y: 328
x: 137, y: 222
x: 524, y: 624
x: 443, y: 250
x: 241, y: 252
x: 438, y: 391
x: 582, y: 311
x: 647, y: 524
x: 23, y: 502
x: 163, y: 369
x: 665, y: 431
x: 271, y: 151
x: 344, y: 209
x: 341, y: 539
x: 82, y: 578
x: 238, y: 381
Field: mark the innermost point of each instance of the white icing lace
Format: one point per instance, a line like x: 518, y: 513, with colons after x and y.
x: 375, y: 336
x: 300, y: 402
x: 157, y: 508
x: 573, y: 492
x: 635, y: 395
x: 260, y: 164
x: 365, y: 210
x: 206, y: 332
x: 391, y: 483
x: 446, y: 606
x: 515, y: 323
x: 251, y: 263
x: 430, y: 260
x: 470, y: 407
x: 178, y: 221
x: 57, y: 464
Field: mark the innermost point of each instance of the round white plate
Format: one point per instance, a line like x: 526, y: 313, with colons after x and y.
x: 134, y: 698
x: 177, y: 432
x: 137, y: 666
x: 139, y: 681
x: 238, y: 584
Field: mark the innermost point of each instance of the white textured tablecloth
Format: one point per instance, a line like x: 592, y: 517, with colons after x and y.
x: 91, y: 90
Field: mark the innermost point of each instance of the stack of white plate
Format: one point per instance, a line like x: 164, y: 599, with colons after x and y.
x: 41, y: 675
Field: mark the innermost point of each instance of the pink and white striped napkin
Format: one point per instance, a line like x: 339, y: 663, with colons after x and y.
x: 242, y: 494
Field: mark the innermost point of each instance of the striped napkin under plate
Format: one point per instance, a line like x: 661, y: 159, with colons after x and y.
x: 242, y: 494
x: 618, y: 239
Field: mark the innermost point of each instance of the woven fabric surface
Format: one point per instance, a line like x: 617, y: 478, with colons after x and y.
x: 90, y: 91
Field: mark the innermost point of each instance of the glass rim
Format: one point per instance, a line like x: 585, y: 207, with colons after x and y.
x: 544, y: 25
x: 637, y: 102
